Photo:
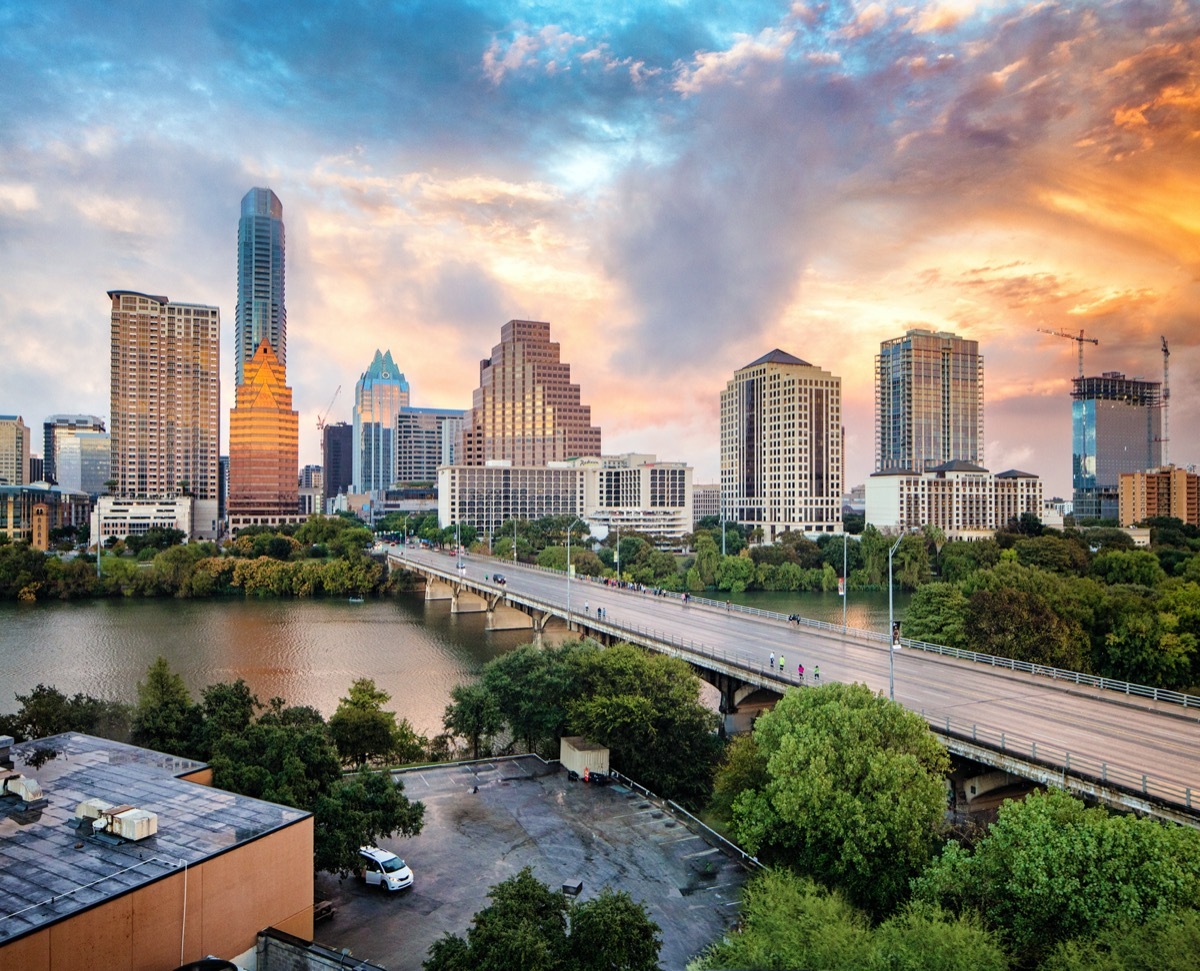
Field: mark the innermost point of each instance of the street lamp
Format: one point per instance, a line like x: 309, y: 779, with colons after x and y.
x: 514, y: 540
x: 569, y: 528
x: 892, y: 632
x: 617, y: 555
x: 458, y: 563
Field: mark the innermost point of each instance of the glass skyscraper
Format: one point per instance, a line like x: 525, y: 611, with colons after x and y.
x: 928, y: 402
x: 378, y: 397
x: 1116, y: 426
x: 261, y: 313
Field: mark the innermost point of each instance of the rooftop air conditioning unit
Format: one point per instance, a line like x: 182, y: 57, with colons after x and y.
x: 15, y: 784
x: 127, y: 822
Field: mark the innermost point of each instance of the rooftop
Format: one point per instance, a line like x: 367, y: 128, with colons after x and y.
x: 49, y: 872
x: 777, y: 357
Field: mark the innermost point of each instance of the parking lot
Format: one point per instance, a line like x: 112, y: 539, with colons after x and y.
x: 483, y: 823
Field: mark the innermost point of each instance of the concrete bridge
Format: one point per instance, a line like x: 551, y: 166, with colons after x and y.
x: 1136, y: 753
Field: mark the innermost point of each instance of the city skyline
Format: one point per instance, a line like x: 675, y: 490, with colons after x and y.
x: 676, y: 190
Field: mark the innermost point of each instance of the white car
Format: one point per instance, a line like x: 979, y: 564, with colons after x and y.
x: 382, y: 868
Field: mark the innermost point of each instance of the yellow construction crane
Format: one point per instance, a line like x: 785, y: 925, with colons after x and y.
x: 1080, y: 340
x: 328, y: 408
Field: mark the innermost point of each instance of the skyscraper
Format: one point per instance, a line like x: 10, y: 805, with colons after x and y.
x: 14, y: 450
x: 1116, y: 427
x: 261, y: 313
x: 165, y: 392
x: 425, y: 439
x: 55, y: 429
x: 84, y: 462
x: 378, y: 397
x: 526, y: 409
x: 337, y: 446
x: 264, y: 443
x: 781, y: 447
x: 928, y: 402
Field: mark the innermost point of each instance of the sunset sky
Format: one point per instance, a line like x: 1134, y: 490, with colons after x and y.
x: 678, y: 187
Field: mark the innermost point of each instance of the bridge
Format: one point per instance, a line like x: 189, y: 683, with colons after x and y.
x: 1119, y: 744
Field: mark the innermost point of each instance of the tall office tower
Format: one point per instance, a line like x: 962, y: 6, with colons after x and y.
x: 14, y: 450
x: 526, y: 409
x: 928, y: 402
x: 1116, y: 427
x: 425, y: 439
x: 58, y: 428
x: 36, y: 469
x: 166, y: 389
x: 337, y: 459
x: 781, y: 447
x: 84, y: 462
x: 261, y: 313
x: 378, y: 397
x: 264, y: 446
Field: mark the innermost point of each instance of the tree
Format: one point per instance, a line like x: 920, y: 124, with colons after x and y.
x: 472, y: 714
x: 646, y: 708
x: 165, y: 717
x: 531, y: 687
x: 226, y: 709
x: 856, y: 791
x: 1167, y: 943
x: 364, y: 732
x: 360, y: 810
x: 1020, y: 624
x: 938, y: 614
x: 47, y: 711
x: 1139, y: 567
x: 526, y: 927
x: 1052, y: 870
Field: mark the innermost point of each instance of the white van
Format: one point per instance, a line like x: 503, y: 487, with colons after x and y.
x: 382, y: 868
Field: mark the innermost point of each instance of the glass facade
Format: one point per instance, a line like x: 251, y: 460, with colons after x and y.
x: 264, y: 436
x: 380, y: 394
x: 261, y: 312
x: 928, y: 402
x: 1116, y: 428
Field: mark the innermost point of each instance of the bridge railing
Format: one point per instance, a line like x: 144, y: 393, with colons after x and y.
x: 1070, y: 765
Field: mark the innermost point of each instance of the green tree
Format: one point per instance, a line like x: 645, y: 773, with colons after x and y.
x: 856, y: 791
x: 938, y: 614
x: 47, y: 711
x: 165, y: 718
x: 360, y: 810
x: 531, y: 688
x: 611, y: 932
x: 364, y: 732
x: 472, y: 715
x: 1167, y: 943
x: 1022, y: 625
x: 226, y: 709
x: 1052, y: 870
x: 1139, y: 567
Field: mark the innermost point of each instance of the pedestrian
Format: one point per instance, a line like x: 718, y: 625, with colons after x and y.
x: 781, y: 667
x: 585, y: 606
x: 816, y: 673
x: 772, y: 662
x: 800, y: 671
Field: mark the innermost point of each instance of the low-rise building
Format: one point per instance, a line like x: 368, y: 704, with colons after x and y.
x: 29, y: 512
x: 117, y: 517
x: 964, y: 500
x: 196, y: 872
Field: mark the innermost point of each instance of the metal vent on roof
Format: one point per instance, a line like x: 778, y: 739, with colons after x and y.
x: 127, y: 822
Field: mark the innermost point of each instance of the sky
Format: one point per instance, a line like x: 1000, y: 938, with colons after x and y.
x: 678, y: 187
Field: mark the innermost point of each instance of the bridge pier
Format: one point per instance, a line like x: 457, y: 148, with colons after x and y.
x: 741, y: 701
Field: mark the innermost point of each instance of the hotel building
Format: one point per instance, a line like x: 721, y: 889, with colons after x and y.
x: 165, y: 391
x: 928, y: 401
x: 781, y: 447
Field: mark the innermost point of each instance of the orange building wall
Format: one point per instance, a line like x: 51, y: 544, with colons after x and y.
x: 230, y: 898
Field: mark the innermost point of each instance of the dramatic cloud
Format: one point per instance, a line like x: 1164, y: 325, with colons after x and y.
x: 678, y: 188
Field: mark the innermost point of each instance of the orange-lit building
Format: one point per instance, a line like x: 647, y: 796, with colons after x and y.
x: 526, y: 409
x: 1167, y: 491
x: 200, y: 872
x: 264, y: 444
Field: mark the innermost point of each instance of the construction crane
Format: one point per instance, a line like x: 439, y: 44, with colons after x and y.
x: 328, y: 408
x: 1080, y: 340
x: 1166, y: 397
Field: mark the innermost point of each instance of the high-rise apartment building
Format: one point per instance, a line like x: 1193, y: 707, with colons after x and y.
x: 261, y: 312
x: 928, y: 402
x: 55, y: 430
x: 264, y: 446
x: 14, y: 450
x: 165, y: 392
x: 1116, y: 427
x: 337, y: 458
x: 425, y: 439
x: 378, y: 397
x: 526, y: 410
x: 781, y: 447
x: 1165, y: 492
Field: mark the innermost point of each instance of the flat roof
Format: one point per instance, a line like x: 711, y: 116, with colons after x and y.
x: 49, y: 871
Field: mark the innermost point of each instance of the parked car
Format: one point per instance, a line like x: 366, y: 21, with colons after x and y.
x: 382, y: 868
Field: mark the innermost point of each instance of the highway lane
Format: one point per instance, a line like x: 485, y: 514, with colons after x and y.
x: 1129, y: 736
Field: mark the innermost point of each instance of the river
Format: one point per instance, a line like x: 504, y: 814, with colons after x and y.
x: 305, y: 651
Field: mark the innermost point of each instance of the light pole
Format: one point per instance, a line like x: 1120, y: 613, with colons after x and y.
x: 569, y: 528
x: 458, y: 563
x: 514, y: 540
x: 617, y: 556
x: 894, y: 640
x: 845, y: 579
